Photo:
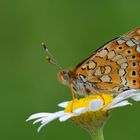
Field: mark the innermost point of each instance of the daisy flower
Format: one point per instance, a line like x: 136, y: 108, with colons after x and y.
x: 89, y: 112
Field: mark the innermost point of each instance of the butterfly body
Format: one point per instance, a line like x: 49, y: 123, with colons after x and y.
x: 113, y: 68
x: 78, y: 83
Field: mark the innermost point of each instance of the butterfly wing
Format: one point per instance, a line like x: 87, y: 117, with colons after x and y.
x: 114, y: 67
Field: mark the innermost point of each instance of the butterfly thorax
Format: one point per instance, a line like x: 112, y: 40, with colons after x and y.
x: 78, y: 83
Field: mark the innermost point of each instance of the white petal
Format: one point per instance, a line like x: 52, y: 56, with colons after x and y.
x: 95, y: 105
x: 127, y: 92
x: 120, y: 104
x: 38, y: 115
x: 136, y: 97
x: 133, y: 93
x: 38, y: 120
x: 80, y: 110
x: 115, y: 101
x: 76, y: 112
x: 137, y: 90
x: 50, y: 118
x: 67, y: 116
x: 63, y: 104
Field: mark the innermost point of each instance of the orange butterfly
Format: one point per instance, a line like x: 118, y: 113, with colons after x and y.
x: 112, y: 68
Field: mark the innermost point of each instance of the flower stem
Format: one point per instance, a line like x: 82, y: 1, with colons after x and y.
x: 97, y: 134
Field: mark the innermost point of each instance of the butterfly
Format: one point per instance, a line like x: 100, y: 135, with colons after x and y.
x: 113, y: 68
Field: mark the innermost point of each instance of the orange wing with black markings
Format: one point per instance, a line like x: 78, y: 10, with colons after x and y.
x: 116, y: 65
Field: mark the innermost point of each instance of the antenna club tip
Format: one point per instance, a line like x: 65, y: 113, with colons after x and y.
x: 47, y: 57
x: 44, y: 46
x: 42, y: 43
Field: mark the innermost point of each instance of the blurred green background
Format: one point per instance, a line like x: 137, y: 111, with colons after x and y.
x: 73, y: 29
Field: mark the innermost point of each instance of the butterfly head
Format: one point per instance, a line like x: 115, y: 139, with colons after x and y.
x: 64, y: 77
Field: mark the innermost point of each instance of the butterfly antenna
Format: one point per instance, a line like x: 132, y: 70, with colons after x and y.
x: 49, y: 57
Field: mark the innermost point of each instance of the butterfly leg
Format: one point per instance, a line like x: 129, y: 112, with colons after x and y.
x: 93, y: 91
x: 74, y: 96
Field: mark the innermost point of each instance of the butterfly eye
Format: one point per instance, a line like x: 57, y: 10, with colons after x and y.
x: 65, y: 76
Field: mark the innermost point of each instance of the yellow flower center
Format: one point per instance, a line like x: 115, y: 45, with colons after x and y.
x: 84, y: 102
x: 90, y: 119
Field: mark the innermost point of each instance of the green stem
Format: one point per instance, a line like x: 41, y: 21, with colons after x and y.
x: 97, y: 134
